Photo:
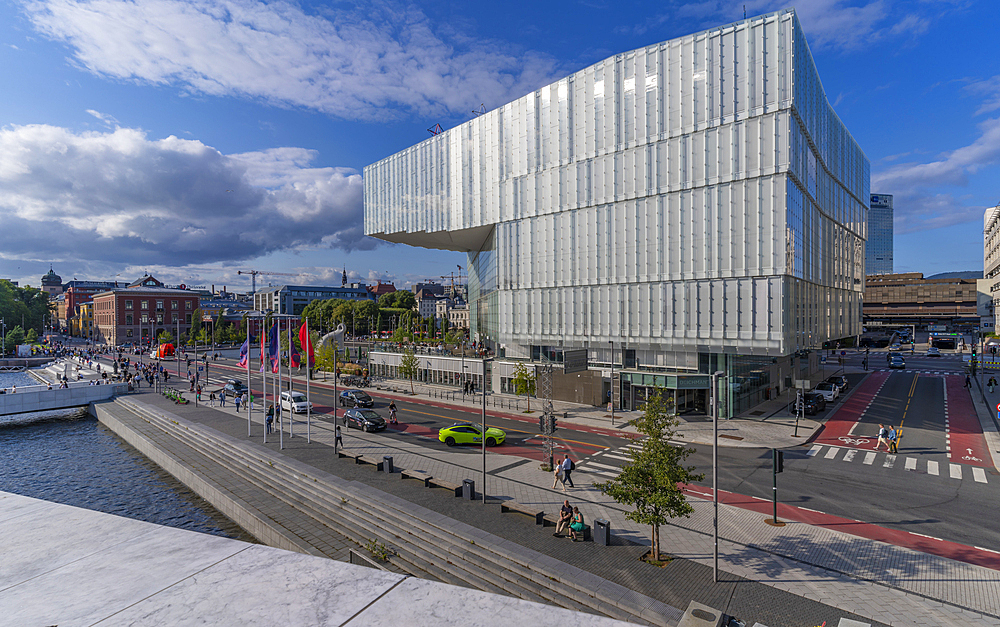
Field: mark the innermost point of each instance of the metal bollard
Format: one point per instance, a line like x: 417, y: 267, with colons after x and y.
x: 387, y: 463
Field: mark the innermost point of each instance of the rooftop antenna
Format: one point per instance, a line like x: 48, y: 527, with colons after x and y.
x: 435, y: 130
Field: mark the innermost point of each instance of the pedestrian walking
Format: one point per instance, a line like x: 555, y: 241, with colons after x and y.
x: 892, y: 439
x: 197, y: 394
x: 222, y: 398
x: 883, y: 433
x: 992, y: 383
x: 968, y: 381
x: 211, y: 399
x: 338, y: 439
x: 864, y: 364
x: 270, y: 418
x: 237, y: 399
x: 251, y: 402
x: 557, y: 476
x: 568, y: 466
x: 277, y: 415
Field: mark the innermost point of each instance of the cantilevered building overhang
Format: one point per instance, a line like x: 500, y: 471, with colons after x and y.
x: 696, y: 196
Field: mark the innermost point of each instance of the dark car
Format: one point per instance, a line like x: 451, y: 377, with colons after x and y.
x: 356, y: 398
x: 235, y: 385
x: 897, y: 363
x: 812, y: 404
x: 840, y: 381
x: 364, y: 419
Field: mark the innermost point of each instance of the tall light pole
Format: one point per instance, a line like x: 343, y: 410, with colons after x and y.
x: 4, y: 323
x: 715, y: 473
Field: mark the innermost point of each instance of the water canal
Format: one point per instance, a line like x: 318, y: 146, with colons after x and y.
x: 68, y: 457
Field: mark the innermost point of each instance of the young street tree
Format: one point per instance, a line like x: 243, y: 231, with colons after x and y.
x: 408, y: 367
x: 524, y: 382
x: 650, y: 482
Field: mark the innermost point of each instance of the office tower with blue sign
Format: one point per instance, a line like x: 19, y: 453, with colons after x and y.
x: 878, y: 255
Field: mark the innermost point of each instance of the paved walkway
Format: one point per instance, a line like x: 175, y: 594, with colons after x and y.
x: 865, y: 578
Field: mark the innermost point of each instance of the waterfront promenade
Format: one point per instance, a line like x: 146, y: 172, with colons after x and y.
x: 73, y: 567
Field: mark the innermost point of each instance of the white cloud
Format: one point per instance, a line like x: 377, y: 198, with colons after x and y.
x: 121, y: 198
x: 990, y: 88
x: 367, y: 62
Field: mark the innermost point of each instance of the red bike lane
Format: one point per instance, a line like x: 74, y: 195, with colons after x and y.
x: 837, y: 428
x: 906, y: 539
x: 966, y: 442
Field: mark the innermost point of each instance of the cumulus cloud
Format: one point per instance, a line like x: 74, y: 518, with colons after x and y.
x: 366, y: 62
x: 122, y: 198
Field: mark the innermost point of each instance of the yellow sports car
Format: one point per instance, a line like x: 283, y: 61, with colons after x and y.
x: 468, y: 433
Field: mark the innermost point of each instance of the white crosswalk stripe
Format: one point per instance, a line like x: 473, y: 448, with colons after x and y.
x: 912, y: 464
x: 602, y: 466
x: 622, y: 457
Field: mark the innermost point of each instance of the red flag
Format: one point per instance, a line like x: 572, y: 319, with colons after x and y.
x: 262, y: 344
x: 306, y: 343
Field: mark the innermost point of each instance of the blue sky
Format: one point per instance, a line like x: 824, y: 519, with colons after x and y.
x: 194, y: 139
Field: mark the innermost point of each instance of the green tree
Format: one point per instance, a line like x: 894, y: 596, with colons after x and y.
x: 14, y: 337
x: 650, y: 482
x: 524, y: 382
x: 31, y: 337
x: 165, y: 338
x: 409, y: 366
x: 326, y: 358
x: 196, y: 326
x: 398, y: 300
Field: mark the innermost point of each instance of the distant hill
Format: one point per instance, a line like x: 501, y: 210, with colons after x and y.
x: 968, y: 274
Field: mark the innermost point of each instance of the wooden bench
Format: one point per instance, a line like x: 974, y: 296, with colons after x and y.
x: 368, y: 459
x: 527, y: 510
x: 447, y: 485
x: 420, y: 475
x: 352, y: 454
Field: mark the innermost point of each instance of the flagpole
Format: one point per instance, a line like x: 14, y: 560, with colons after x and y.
x: 291, y: 412
x: 249, y: 389
x: 281, y: 426
x: 263, y: 379
x: 308, y: 351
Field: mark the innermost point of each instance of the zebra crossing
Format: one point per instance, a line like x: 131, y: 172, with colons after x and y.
x: 889, y: 460
x: 608, y: 471
x: 912, y: 371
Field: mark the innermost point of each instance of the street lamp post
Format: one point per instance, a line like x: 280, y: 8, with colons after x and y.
x: 715, y: 473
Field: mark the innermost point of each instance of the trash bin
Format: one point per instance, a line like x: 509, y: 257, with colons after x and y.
x: 468, y: 489
x: 387, y: 463
x: 602, y: 532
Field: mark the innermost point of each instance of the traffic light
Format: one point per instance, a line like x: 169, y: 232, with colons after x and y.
x: 973, y: 351
x: 541, y: 424
x: 778, y: 459
x: 552, y: 424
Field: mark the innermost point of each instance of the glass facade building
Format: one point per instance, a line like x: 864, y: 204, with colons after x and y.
x: 878, y: 254
x: 694, y: 197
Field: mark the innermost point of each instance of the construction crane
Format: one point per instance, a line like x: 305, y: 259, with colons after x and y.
x: 253, y: 277
x: 452, y: 278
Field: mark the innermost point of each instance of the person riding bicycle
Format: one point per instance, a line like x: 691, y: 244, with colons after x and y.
x: 392, y: 413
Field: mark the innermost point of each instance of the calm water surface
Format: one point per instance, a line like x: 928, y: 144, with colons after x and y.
x: 68, y: 457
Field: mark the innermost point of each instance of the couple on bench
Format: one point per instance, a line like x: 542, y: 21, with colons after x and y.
x: 570, y: 517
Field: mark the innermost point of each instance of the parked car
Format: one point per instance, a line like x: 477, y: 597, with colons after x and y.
x: 295, y: 402
x: 356, y: 398
x: 840, y: 381
x: 468, y: 433
x: 933, y: 351
x: 812, y: 404
x: 897, y: 362
x: 365, y: 419
x: 828, y: 390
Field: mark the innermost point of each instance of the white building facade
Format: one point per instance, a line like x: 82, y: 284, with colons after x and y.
x: 991, y: 257
x: 692, y: 200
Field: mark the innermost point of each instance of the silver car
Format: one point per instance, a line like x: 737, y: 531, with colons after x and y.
x: 295, y: 402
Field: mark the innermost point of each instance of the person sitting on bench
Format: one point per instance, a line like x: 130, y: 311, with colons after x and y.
x: 576, y: 527
x: 565, y: 516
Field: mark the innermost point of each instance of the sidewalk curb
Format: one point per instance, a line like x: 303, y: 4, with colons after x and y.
x: 988, y: 422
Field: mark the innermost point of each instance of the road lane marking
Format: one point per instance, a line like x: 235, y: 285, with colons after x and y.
x: 911, y: 463
x: 849, y: 455
x: 979, y: 474
x: 831, y: 453
x: 932, y: 468
x: 869, y: 458
x: 956, y: 471
x: 814, y: 450
x: 615, y: 468
x: 889, y: 461
x: 628, y: 459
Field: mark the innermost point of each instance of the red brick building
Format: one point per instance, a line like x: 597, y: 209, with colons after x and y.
x: 139, y: 314
x: 77, y: 293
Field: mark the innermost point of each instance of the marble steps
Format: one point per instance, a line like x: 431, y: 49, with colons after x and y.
x: 322, y: 505
x: 513, y: 569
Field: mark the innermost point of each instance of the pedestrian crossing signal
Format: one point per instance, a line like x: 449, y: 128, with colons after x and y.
x: 778, y: 459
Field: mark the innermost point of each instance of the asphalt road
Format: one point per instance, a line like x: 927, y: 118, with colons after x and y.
x: 894, y: 497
